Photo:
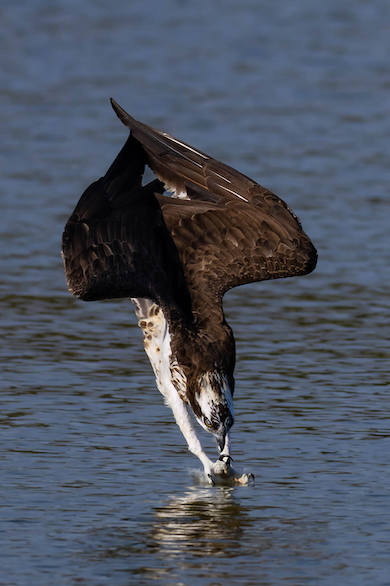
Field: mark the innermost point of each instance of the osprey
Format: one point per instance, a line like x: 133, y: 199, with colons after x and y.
x: 175, y: 246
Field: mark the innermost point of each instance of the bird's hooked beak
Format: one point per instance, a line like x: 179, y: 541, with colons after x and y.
x: 221, y: 440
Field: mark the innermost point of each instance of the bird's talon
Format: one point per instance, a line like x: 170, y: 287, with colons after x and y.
x: 211, y: 479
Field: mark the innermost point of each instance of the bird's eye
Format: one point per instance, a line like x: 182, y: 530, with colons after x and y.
x: 207, y: 422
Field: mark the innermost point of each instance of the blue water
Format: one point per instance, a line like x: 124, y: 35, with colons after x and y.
x: 95, y: 482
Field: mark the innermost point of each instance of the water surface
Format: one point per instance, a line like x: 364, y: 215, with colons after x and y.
x: 95, y: 481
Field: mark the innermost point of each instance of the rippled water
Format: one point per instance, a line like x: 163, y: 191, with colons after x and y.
x: 95, y: 482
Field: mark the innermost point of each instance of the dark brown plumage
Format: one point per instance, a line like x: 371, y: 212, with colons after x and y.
x: 232, y: 231
x: 129, y: 240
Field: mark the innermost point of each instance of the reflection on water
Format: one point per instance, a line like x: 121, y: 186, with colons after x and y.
x: 183, y: 533
x: 95, y: 487
x: 200, y: 523
x: 219, y: 534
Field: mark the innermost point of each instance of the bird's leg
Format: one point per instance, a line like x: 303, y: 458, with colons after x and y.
x: 219, y: 472
x: 184, y: 421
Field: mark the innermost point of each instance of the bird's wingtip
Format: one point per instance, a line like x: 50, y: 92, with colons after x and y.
x: 123, y: 116
x: 116, y: 107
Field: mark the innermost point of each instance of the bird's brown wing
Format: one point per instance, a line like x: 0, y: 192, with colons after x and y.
x: 232, y: 231
x: 116, y: 243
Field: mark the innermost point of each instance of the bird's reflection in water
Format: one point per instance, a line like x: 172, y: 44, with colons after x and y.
x: 201, y: 522
x: 187, y: 534
x: 207, y: 533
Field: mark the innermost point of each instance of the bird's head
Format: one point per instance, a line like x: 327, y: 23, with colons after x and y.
x: 213, y: 404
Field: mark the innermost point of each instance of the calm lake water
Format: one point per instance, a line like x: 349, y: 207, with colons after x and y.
x: 95, y: 482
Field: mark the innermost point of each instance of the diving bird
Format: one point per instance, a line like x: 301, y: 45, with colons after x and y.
x: 174, y: 246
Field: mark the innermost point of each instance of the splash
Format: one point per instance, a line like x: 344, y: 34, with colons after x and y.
x: 200, y: 478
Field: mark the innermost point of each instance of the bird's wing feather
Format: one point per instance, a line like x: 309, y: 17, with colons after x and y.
x: 180, y: 166
x: 116, y: 243
x: 233, y: 231
x: 223, y: 246
x: 129, y: 240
